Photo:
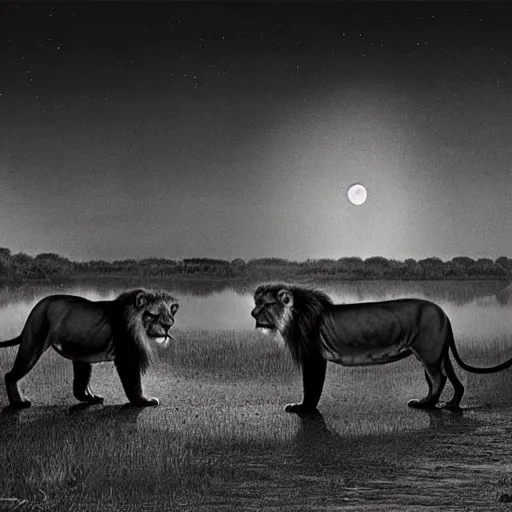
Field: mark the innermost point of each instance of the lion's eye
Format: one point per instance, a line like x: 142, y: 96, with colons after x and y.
x: 149, y: 315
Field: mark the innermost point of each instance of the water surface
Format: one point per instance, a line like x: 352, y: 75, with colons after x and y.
x: 471, y: 305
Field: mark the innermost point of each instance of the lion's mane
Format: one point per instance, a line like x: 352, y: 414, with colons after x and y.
x: 301, y: 330
x: 131, y: 343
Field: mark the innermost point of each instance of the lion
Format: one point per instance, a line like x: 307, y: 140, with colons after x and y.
x: 317, y: 331
x: 123, y: 330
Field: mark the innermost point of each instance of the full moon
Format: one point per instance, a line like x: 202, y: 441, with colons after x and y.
x: 357, y: 194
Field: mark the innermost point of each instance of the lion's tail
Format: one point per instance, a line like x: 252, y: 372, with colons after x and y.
x: 10, y: 343
x: 472, y: 369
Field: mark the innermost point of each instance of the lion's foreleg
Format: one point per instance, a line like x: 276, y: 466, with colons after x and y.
x: 81, y: 377
x: 313, y: 377
x: 130, y: 376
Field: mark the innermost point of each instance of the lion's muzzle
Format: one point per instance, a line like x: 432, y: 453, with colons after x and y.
x: 264, y: 325
x: 262, y: 322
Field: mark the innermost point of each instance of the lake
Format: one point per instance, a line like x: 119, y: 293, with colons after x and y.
x: 474, y: 307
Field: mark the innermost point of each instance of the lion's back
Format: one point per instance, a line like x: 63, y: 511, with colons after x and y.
x: 378, y: 332
x: 72, y: 319
x: 403, y: 314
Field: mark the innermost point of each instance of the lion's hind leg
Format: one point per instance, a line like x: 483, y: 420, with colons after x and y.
x: 458, y: 388
x: 29, y: 352
x: 436, y: 381
x: 81, y: 388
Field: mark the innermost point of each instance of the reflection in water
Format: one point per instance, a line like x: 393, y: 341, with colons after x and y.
x: 456, y: 292
x: 221, y: 305
x: 213, y: 310
x: 504, y: 296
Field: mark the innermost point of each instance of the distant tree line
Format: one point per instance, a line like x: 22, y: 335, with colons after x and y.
x: 52, y: 266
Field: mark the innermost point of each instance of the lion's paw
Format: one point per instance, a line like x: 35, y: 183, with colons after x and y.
x: 421, y: 404
x: 299, y: 409
x: 95, y: 399
x: 22, y: 404
x: 146, y: 402
x: 90, y: 399
x: 451, y: 407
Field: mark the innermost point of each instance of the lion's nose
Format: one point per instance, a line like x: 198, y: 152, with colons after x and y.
x: 167, y: 325
x: 254, y: 313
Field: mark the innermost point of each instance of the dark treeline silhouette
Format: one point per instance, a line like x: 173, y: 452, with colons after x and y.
x: 52, y: 266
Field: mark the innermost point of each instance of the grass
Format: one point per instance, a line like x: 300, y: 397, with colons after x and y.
x: 220, y: 439
x: 122, y: 457
x: 96, y: 457
x: 228, y: 354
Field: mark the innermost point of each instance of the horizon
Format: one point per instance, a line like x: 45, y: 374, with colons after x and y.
x: 246, y: 260
x: 136, y: 130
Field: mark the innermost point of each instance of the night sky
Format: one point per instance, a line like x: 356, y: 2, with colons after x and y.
x: 233, y: 130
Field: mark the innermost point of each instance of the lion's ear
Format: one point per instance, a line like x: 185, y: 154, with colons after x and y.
x: 141, y: 300
x: 285, y: 298
x: 174, y: 308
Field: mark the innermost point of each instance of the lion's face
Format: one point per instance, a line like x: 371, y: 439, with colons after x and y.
x: 156, y: 312
x: 273, y: 308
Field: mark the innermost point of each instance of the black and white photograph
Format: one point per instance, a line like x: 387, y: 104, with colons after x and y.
x: 255, y: 256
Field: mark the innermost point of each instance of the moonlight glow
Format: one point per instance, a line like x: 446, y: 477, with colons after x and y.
x: 357, y: 194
